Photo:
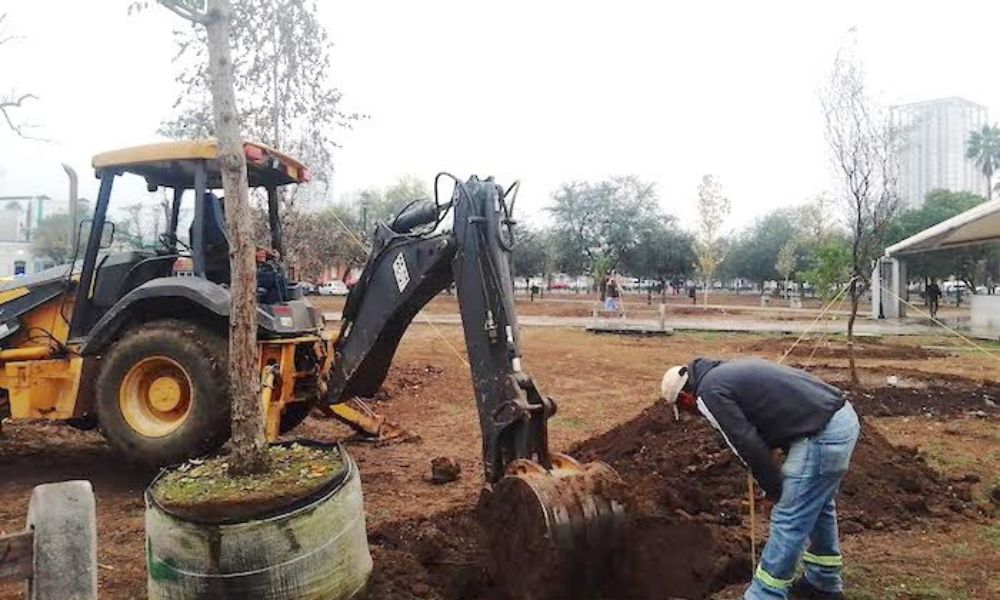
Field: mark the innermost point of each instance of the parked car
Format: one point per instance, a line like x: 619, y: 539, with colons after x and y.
x: 333, y: 288
x: 308, y: 287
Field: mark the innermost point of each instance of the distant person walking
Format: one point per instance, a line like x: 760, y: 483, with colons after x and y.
x: 612, y: 300
x: 933, y: 297
x: 693, y: 294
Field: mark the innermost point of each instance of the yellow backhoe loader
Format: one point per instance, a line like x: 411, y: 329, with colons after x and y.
x: 135, y: 342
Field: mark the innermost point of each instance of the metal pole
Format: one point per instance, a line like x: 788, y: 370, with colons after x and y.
x: 72, y: 207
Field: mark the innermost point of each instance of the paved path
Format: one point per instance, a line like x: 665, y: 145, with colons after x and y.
x: 862, y: 327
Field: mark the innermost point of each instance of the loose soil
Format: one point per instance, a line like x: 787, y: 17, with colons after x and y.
x: 688, y: 491
x: 956, y: 396
x: 914, y: 392
x: 204, y: 489
x: 873, y: 349
x: 445, y: 469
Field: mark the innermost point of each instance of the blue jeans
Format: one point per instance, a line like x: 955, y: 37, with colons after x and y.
x: 804, y: 521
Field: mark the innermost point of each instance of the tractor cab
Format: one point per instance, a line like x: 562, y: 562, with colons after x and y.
x: 189, y: 173
x: 133, y: 337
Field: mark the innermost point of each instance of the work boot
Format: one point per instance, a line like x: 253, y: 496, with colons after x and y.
x: 801, y: 588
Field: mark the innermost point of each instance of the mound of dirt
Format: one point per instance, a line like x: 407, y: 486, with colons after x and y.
x: 688, y: 535
x: 685, y: 466
x: 871, y: 349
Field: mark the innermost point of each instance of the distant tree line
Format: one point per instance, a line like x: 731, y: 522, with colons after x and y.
x: 614, y: 224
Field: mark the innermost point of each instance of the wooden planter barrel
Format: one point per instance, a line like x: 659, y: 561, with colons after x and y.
x: 315, y: 549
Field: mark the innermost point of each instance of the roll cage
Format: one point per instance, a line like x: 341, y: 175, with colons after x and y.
x: 179, y: 166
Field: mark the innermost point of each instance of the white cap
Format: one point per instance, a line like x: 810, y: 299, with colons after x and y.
x: 672, y: 384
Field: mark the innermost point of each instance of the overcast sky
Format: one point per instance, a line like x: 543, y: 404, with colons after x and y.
x: 545, y: 91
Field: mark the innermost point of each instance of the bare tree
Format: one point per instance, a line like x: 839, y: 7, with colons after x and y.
x: 786, y: 262
x: 285, y: 97
x: 282, y: 83
x: 248, y: 437
x: 713, y: 209
x: 12, y: 101
x: 862, y: 143
x: 816, y: 219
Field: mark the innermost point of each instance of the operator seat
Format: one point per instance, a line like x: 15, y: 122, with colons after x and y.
x: 272, y: 287
x: 216, y: 238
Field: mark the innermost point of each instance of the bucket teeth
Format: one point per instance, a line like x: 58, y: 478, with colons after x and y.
x: 554, y: 533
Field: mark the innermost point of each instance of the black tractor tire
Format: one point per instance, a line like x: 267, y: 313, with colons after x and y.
x: 199, y: 353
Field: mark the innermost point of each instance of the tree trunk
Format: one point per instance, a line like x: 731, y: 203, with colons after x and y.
x: 850, y: 331
x: 855, y: 277
x: 249, y: 442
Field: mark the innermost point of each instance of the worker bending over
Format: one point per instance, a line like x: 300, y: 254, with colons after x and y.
x: 760, y: 406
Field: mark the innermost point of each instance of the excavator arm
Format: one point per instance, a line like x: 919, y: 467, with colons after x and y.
x: 566, y: 516
x: 406, y: 270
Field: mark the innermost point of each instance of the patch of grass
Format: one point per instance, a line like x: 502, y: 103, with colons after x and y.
x: 961, y: 549
x: 930, y: 591
x: 568, y: 423
x: 992, y: 535
x: 943, y: 457
x: 867, y: 583
x: 916, y: 591
x: 728, y: 336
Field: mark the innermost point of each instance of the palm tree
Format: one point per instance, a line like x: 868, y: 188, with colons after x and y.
x: 984, y: 148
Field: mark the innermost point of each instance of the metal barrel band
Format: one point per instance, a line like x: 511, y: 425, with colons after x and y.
x: 194, y: 574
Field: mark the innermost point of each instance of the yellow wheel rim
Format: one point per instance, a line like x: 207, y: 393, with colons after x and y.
x: 155, y: 396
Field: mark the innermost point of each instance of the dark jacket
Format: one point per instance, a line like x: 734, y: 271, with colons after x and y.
x: 759, y: 405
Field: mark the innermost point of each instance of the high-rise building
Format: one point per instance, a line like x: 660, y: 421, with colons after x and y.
x: 932, y: 151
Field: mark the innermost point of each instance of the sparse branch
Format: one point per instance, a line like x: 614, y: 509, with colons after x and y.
x: 185, y: 12
x: 12, y: 101
x: 281, y: 59
x: 4, y: 38
x: 5, y: 107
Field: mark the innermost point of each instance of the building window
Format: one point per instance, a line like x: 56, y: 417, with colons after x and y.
x: 20, y: 267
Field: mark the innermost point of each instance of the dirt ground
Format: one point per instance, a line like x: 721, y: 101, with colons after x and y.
x: 924, y: 484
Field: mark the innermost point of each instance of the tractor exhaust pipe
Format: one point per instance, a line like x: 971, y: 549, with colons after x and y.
x: 73, y: 190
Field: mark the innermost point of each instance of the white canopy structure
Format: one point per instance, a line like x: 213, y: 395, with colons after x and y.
x: 977, y: 225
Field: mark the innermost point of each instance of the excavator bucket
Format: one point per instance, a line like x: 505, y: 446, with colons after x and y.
x: 555, y: 533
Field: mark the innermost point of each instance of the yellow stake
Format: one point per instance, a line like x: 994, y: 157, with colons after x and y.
x: 753, y: 524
